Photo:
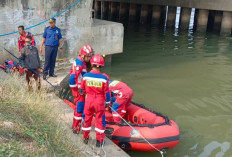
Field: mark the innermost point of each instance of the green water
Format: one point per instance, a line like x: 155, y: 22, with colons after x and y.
x: 187, y: 77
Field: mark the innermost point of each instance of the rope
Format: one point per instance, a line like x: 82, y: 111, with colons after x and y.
x: 58, y: 14
x: 103, y: 148
x: 160, y: 151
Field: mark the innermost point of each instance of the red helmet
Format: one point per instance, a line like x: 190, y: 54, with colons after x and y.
x: 86, y: 50
x: 108, y: 77
x: 97, y: 60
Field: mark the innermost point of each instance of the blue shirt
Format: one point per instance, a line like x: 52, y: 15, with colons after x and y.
x: 52, y: 36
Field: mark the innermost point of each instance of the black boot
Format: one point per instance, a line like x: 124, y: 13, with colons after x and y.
x: 86, y: 141
x: 53, y: 75
x: 99, y: 144
x: 76, y: 131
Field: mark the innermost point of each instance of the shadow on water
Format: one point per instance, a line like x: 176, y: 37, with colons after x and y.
x: 185, y: 75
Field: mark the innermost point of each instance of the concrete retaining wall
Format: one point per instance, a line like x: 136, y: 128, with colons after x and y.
x: 77, y: 25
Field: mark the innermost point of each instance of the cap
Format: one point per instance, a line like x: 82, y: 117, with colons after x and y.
x: 52, y: 20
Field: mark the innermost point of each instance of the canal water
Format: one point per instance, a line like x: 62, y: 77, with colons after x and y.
x: 187, y: 76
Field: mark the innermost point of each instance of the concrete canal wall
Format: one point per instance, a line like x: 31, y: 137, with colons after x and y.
x: 77, y: 26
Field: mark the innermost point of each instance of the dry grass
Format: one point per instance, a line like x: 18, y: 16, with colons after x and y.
x: 33, y: 131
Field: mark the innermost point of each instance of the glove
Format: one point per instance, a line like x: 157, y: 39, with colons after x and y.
x: 106, y: 105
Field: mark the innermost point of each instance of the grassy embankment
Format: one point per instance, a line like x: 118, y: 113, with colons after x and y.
x: 27, y: 126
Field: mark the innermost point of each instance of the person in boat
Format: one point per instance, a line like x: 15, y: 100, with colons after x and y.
x: 96, y: 87
x: 77, y: 70
x: 121, y: 95
x: 23, y: 34
x: 31, y: 62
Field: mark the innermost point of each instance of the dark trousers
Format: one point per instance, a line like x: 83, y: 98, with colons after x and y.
x: 30, y: 75
x: 50, y: 59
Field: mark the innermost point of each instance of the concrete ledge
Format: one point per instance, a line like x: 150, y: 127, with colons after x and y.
x: 108, y: 37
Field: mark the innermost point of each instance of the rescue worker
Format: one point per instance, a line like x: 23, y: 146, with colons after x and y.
x: 78, y: 69
x: 96, y: 87
x: 23, y: 34
x: 52, y: 40
x: 31, y: 63
x: 121, y: 95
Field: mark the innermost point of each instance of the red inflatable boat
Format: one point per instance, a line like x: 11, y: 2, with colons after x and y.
x: 161, y: 132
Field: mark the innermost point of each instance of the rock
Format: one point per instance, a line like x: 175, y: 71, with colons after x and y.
x: 8, y: 124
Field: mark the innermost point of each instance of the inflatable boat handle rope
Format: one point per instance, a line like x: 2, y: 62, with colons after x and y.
x: 160, y: 151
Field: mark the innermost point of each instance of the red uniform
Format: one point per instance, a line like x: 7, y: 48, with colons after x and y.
x: 96, y: 87
x: 21, y: 40
x: 123, y: 95
x: 77, y: 71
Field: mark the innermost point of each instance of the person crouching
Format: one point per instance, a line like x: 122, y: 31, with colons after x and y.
x: 31, y: 63
x: 96, y: 87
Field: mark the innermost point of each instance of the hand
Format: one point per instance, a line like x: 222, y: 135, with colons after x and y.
x: 60, y: 51
x: 106, y: 105
x: 40, y: 71
x: 80, y: 92
x: 25, y: 69
x: 40, y: 49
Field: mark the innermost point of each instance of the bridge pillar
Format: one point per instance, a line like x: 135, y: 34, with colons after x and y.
x: 105, y: 10
x: 123, y: 11
x: 202, y: 19
x: 185, y: 18
x: 132, y: 12
x: 113, y: 11
x: 171, y: 17
x: 217, y: 20
x: 97, y: 9
x: 226, y: 24
x: 144, y: 14
x: 156, y: 13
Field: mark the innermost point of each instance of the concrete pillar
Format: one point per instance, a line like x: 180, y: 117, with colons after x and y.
x: 217, y: 20
x: 105, y: 10
x: 144, y: 14
x: 108, y: 60
x: 185, y: 18
x: 97, y: 9
x: 122, y: 11
x: 171, y: 17
x: 163, y: 15
x: 226, y: 24
x: 202, y: 19
x: 132, y: 12
x: 156, y: 13
x: 113, y: 11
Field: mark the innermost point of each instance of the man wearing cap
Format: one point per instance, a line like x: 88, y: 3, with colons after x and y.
x: 52, y: 40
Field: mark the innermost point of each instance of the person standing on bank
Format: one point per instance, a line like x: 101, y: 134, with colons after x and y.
x: 52, y: 40
x: 31, y: 63
x: 23, y: 34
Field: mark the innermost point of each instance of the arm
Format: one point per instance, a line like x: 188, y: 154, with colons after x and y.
x: 43, y: 39
x: 33, y: 40
x: 107, y: 92
x: 83, y: 86
x: 19, y: 45
x: 38, y: 58
x: 22, y: 57
x: 73, y: 80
